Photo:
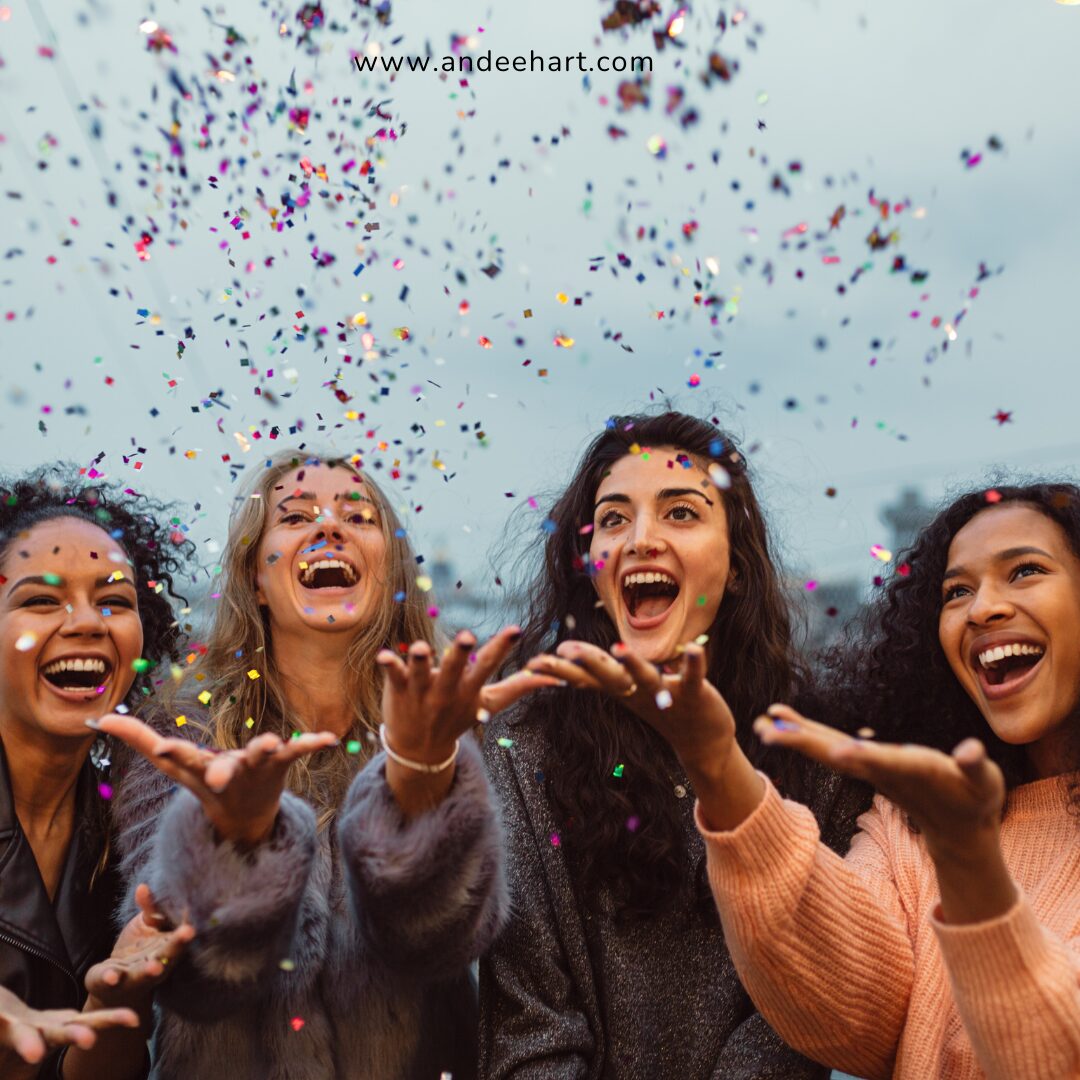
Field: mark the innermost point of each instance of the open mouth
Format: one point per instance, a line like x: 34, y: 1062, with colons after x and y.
x: 77, y: 674
x: 648, y: 594
x: 1004, y: 668
x: 328, y: 574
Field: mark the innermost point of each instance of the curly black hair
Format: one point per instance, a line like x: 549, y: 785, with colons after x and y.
x: 134, y: 521
x: 751, y: 659
x: 890, y: 672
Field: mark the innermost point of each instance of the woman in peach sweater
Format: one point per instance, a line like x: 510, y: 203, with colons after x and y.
x: 947, y: 943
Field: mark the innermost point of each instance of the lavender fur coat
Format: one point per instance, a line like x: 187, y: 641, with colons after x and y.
x: 340, y: 955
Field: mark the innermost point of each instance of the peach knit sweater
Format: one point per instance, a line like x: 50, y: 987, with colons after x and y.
x: 850, y: 963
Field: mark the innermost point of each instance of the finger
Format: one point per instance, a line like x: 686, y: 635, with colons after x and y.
x: 454, y: 660
x: 220, y: 772
x: 641, y: 674
x: 565, y: 670
x: 81, y: 1034
x: 396, y: 673
x: 100, y: 1019
x: 303, y: 745
x: 975, y: 764
x: 27, y: 1042
x: 494, y: 697
x: 602, y: 666
x: 420, y: 667
x: 139, y: 736
x: 694, y: 666
x: 148, y: 905
x: 492, y: 654
x: 783, y: 726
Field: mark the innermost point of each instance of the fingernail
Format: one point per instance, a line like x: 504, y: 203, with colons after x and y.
x: 784, y: 725
x: 93, y: 725
x: 166, y: 753
x: 514, y: 635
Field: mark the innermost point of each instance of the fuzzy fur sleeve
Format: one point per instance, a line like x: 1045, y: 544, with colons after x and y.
x: 428, y: 895
x: 244, y: 905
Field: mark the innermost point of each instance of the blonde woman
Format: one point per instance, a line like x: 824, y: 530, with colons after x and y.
x: 338, y: 895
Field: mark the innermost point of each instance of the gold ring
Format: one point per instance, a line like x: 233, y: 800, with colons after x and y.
x: 630, y: 691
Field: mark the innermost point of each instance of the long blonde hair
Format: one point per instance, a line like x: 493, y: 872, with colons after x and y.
x: 239, y: 640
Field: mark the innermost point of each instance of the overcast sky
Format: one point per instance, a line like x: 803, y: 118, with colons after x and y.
x: 518, y: 174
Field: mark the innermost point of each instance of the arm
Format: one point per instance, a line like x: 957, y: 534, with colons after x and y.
x: 820, y: 943
x: 533, y: 1025
x: 428, y: 892
x: 230, y: 851
x: 1017, y: 989
x: 243, y: 903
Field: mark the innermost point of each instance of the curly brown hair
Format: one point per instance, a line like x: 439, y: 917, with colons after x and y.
x: 890, y: 671
x: 750, y: 660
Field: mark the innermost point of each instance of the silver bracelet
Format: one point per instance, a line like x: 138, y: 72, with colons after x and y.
x: 417, y: 766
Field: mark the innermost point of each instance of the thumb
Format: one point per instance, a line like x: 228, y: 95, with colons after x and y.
x: 971, y: 756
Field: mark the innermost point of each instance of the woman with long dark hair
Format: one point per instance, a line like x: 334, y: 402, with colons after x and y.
x: 85, y: 620
x: 947, y: 943
x: 614, y: 962
x: 339, y: 893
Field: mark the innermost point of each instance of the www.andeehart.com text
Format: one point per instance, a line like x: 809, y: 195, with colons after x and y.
x: 465, y: 64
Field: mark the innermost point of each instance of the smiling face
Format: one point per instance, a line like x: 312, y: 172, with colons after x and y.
x: 69, y: 628
x: 660, y: 544
x: 321, y: 559
x: 1010, y: 621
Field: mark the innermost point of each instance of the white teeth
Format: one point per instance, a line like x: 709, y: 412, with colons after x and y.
x: 307, y: 575
x: 648, y: 578
x: 77, y: 663
x: 998, y: 652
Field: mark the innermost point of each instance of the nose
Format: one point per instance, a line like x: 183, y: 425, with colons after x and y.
x: 989, y: 605
x: 84, y: 619
x: 644, y: 539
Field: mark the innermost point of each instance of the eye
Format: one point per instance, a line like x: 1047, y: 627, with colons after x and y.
x: 360, y: 518
x: 117, y: 601
x: 294, y: 517
x: 684, y: 512
x: 953, y: 592
x: 39, y: 601
x: 1027, y: 570
x: 609, y: 519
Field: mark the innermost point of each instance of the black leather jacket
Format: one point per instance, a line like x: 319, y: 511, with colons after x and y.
x: 46, y: 947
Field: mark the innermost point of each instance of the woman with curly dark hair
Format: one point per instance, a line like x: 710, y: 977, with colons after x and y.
x: 83, y: 623
x: 947, y: 943
x: 614, y: 962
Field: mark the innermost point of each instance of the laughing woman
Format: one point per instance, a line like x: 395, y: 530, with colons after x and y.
x: 82, y: 577
x: 614, y: 963
x: 332, y: 942
x: 947, y: 944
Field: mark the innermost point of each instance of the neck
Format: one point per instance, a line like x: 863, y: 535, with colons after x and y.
x: 312, y: 671
x: 1056, y: 753
x: 44, y: 776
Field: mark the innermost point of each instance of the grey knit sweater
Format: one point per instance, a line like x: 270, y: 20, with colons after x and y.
x: 568, y: 994
x: 340, y: 955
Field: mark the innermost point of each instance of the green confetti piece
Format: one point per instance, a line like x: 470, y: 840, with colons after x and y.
x: 352, y: 746
x: 505, y: 743
x: 618, y: 770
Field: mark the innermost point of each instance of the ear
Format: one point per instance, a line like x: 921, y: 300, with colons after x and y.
x: 260, y: 596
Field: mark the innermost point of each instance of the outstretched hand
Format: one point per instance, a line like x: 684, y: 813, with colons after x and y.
x: 427, y: 708
x: 140, y: 958
x: 948, y: 796
x: 30, y: 1033
x: 240, y: 790
x: 682, y: 706
x: 954, y: 799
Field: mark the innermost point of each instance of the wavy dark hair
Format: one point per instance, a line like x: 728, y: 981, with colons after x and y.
x: 135, y: 522
x: 890, y: 672
x: 750, y: 660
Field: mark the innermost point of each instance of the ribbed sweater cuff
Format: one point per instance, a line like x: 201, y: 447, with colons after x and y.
x: 1000, y: 959
x: 765, y: 859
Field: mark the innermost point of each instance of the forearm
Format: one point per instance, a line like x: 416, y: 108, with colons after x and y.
x: 727, y: 787
x: 974, y: 883
x: 417, y: 792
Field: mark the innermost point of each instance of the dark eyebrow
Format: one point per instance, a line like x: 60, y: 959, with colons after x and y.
x: 310, y: 496
x: 101, y: 582
x: 661, y: 496
x: 1000, y: 557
